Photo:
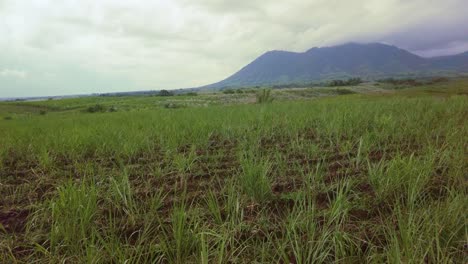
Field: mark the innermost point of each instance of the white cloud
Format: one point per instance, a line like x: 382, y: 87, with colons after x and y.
x: 138, y: 44
x: 8, y: 73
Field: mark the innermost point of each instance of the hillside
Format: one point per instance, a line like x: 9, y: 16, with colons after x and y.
x: 369, y: 61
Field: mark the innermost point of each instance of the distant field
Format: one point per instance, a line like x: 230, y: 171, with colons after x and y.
x: 369, y: 173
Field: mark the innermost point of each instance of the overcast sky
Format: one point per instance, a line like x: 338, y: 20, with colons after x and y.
x: 94, y: 46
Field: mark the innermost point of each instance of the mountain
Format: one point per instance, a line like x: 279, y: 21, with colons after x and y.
x: 368, y: 61
x: 454, y: 63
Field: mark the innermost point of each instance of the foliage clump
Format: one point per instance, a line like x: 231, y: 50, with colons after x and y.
x: 412, y: 82
x: 349, y: 82
x: 229, y: 91
x: 342, y: 91
x: 407, y: 81
x: 264, y: 96
x: 254, y: 179
x: 96, y: 108
x: 165, y: 93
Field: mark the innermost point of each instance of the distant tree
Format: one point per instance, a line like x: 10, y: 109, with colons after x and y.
x: 165, y: 93
x: 229, y: 91
x: 352, y: 81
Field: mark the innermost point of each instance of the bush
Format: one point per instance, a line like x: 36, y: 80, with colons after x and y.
x: 96, y: 108
x: 42, y: 112
x: 191, y: 94
x: 407, y: 82
x: 264, y: 96
x: 438, y: 80
x: 8, y: 118
x: 342, y: 91
x: 352, y: 81
x: 412, y: 82
x: 165, y: 93
x: 229, y: 91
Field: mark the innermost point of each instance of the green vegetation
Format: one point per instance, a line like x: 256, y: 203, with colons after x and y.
x: 165, y: 93
x: 264, y: 96
x: 96, y: 108
x: 229, y: 91
x: 378, y: 176
x: 413, y: 82
x: 349, y: 82
x: 342, y: 91
x: 254, y: 178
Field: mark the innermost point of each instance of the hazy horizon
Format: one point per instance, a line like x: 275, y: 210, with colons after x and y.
x: 82, y: 47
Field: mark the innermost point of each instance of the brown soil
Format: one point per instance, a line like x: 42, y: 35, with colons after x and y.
x: 14, y: 221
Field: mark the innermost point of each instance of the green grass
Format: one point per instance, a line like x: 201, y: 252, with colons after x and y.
x: 254, y: 178
x: 374, y: 177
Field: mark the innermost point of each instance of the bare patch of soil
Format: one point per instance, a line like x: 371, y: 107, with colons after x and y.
x: 14, y: 221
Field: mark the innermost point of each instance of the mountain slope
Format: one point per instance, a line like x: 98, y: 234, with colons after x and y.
x: 368, y: 61
x: 454, y: 62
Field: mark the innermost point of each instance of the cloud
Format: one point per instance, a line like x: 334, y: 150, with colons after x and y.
x: 449, y: 48
x: 109, y: 45
x: 8, y: 73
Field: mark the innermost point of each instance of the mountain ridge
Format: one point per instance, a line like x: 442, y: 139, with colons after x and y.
x: 368, y: 61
